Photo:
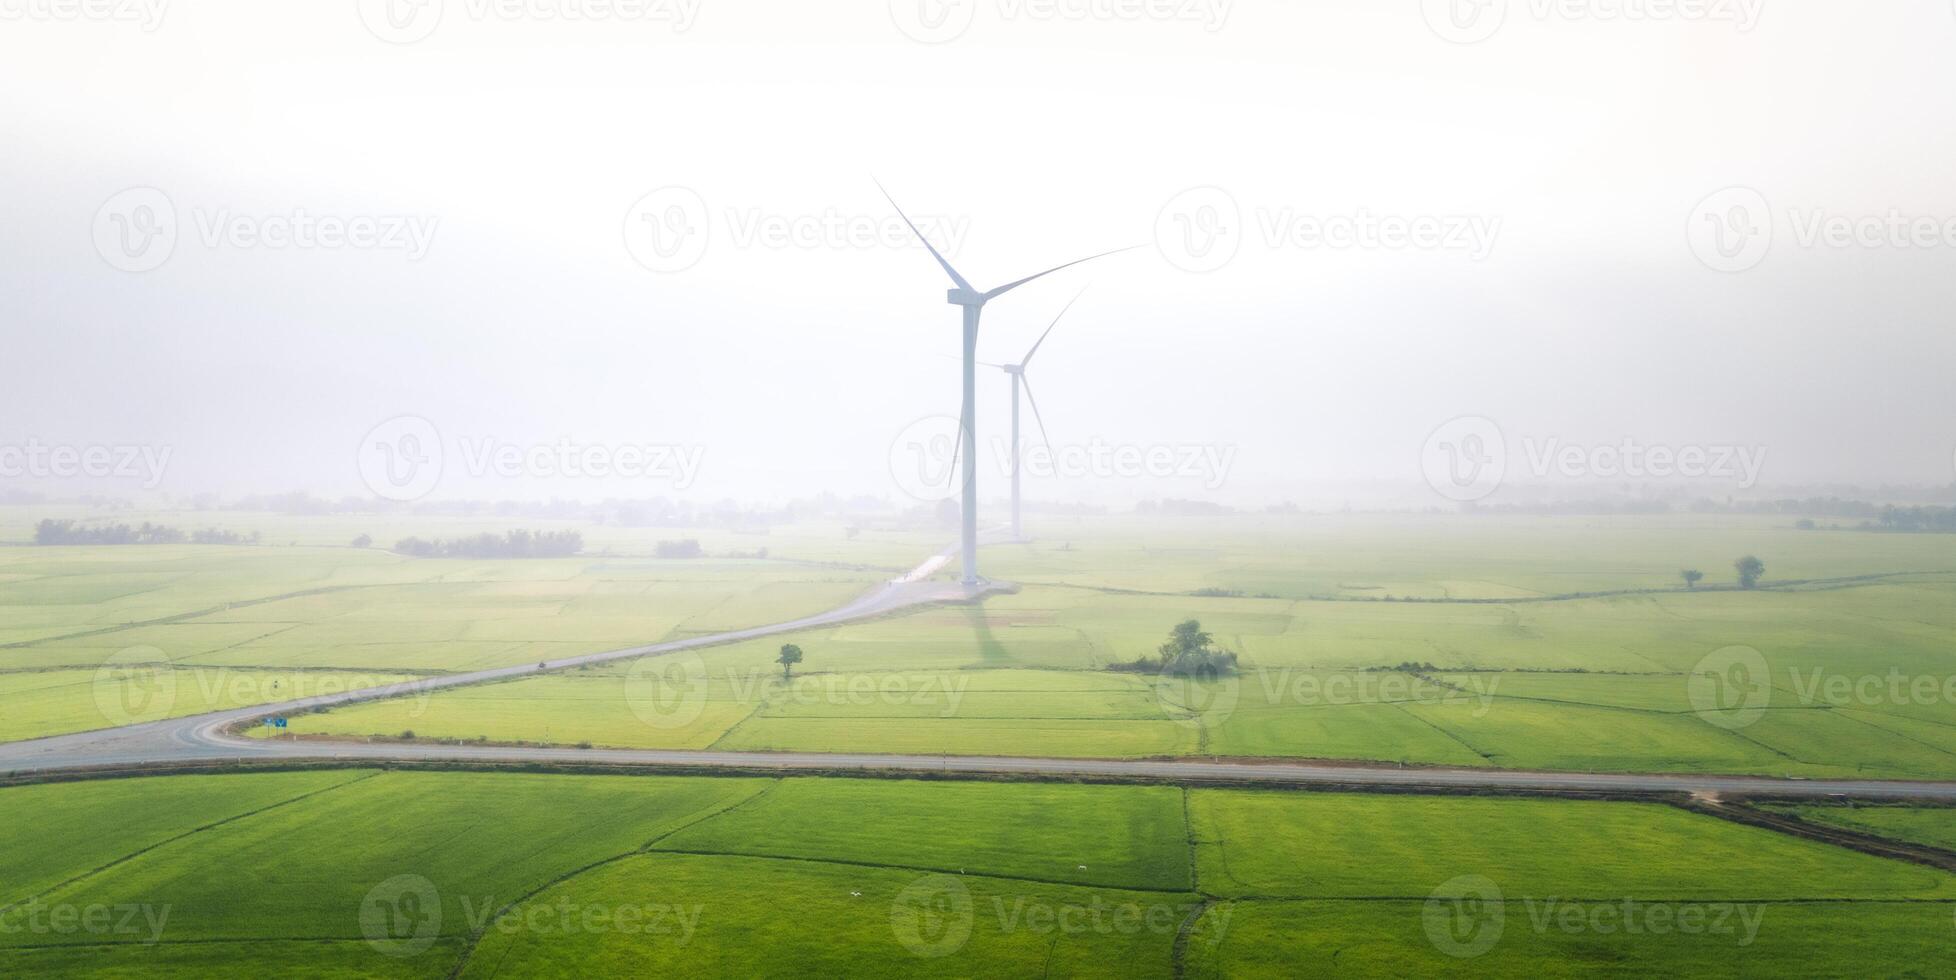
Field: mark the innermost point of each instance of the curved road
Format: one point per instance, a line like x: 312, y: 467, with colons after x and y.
x: 203, y: 739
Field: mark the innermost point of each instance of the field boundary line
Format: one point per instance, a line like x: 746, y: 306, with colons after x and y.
x: 1178, y: 951
x: 207, y: 941
x: 1583, y: 900
x: 1791, y: 825
x: 1188, y: 833
x: 759, y: 704
x: 754, y: 797
x: 186, y: 616
x: 131, y: 856
x: 846, y: 863
x: 474, y: 940
x: 1857, y: 719
x: 1456, y: 738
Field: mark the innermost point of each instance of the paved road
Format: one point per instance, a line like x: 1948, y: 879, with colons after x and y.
x: 202, y: 738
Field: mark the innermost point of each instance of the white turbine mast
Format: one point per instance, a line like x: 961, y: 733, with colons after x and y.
x: 1020, y: 382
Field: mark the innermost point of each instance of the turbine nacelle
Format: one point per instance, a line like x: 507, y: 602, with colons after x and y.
x: 965, y: 297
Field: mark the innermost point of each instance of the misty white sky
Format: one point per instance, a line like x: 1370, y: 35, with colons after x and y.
x: 525, y: 141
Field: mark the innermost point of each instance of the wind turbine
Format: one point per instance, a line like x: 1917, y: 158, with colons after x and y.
x: 1021, y: 382
x: 973, y: 303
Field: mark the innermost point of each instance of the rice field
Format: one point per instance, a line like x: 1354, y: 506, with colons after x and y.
x: 431, y: 874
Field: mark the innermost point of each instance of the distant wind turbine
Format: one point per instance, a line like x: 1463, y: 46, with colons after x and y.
x: 973, y: 302
x: 1021, y: 382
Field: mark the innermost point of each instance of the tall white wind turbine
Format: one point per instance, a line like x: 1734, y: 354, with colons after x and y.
x: 973, y: 303
x: 1022, y: 383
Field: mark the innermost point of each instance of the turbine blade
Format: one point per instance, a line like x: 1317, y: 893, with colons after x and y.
x: 1034, y: 402
x: 1008, y: 287
x: 1049, y: 328
x: 920, y: 237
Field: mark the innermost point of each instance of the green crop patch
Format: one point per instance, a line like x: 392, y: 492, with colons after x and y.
x: 311, y: 958
x: 42, y: 703
x: 674, y: 914
x: 305, y: 869
x: 1558, y: 936
x: 1116, y: 837
x: 52, y: 832
x: 1325, y: 845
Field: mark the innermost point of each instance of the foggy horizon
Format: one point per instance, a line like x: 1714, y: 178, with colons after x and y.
x: 791, y: 346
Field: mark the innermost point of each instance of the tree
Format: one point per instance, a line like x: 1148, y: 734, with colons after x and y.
x: 1750, y: 570
x: 363, y: 541
x: 1691, y: 577
x: 688, y: 548
x: 1189, y: 650
x: 1185, y: 639
x: 790, y: 656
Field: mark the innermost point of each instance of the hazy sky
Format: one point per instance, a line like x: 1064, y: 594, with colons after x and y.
x: 1582, y: 285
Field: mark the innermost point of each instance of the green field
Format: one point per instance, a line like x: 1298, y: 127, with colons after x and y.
x: 177, y: 630
x: 1584, y: 684
x: 1527, y: 675
x: 417, y: 874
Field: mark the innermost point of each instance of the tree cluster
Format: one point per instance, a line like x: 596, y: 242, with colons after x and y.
x: 1189, y: 652
x: 514, y: 544
x: 1918, y: 519
x: 688, y: 548
x: 53, y: 532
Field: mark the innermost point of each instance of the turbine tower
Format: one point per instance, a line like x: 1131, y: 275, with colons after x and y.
x: 1021, y: 382
x: 972, y: 301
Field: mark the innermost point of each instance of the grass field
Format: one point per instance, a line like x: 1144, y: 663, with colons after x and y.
x: 212, y: 627
x: 1598, y: 684
x: 1525, y: 676
x: 414, y: 874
